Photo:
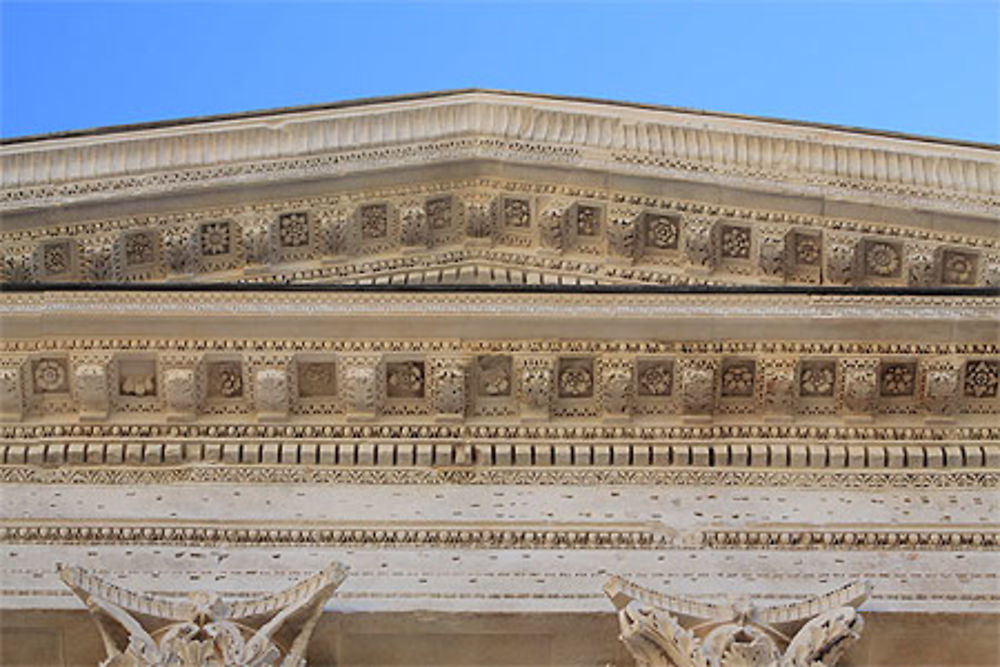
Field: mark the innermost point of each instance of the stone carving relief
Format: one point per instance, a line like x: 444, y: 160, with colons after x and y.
x: 839, y: 264
x: 480, y: 214
x: 179, y: 247
x: 699, y: 242
x: 271, y: 393
x: 697, y: 383
x: 413, y: 221
x: 881, y: 260
x: 618, y: 385
x: 622, y: 232
x: 553, y: 224
x: 537, y: 385
x: 860, y: 385
x: 671, y: 631
x: 90, y: 386
x: 50, y: 375
x: 181, y: 392
x: 981, y: 378
x: 273, y: 238
x: 257, y: 239
x: 772, y: 252
x: 941, y: 384
x: 360, y: 386
x: 921, y: 265
x: 147, y: 630
x: 11, y: 393
x: 779, y: 386
x: 449, y: 387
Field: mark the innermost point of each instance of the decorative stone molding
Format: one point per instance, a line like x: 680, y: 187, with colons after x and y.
x: 509, y: 126
x: 512, y: 536
x: 668, y: 631
x: 666, y: 241
x: 142, y: 629
x: 586, y: 382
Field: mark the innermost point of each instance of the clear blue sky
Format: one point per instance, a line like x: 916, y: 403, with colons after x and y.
x: 920, y: 67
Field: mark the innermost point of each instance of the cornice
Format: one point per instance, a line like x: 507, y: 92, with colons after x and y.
x: 483, y: 125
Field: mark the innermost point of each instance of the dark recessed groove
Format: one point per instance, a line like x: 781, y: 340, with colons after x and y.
x: 828, y: 290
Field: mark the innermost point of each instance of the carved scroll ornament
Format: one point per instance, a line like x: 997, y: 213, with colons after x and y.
x: 669, y: 631
x: 142, y: 630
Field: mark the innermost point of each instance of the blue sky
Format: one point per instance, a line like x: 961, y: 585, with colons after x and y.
x: 920, y: 67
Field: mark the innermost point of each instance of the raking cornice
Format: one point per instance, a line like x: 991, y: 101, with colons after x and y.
x: 330, y: 141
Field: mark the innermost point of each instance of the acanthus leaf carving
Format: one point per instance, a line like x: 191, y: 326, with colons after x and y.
x: 360, y: 386
x: 673, y: 631
x: 147, y: 630
x: 697, y: 383
x: 921, y: 263
x: 772, y: 253
x: 699, y: 242
x: 618, y: 385
x: 480, y: 214
x: 553, y: 221
x: 860, y: 385
x: 623, y: 231
x: 448, y: 383
x: 537, y: 379
x: 840, y: 263
x: 414, y: 230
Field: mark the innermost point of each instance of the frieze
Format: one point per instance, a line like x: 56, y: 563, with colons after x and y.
x: 345, y: 237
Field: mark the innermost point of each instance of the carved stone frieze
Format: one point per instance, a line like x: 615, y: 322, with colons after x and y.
x: 670, y: 631
x: 141, y: 629
x: 588, y: 382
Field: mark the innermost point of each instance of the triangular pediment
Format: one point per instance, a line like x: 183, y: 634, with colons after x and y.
x: 491, y: 187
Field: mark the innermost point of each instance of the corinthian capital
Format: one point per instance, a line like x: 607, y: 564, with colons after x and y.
x: 671, y: 631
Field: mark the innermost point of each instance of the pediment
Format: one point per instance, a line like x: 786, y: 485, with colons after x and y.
x: 499, y: 188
